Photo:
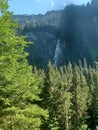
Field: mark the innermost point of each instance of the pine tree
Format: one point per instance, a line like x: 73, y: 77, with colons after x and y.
x: 95, y: 100
x: 18, y: 89
x: 64, y: 99
x: 80, y: 98
x: 59, y: 98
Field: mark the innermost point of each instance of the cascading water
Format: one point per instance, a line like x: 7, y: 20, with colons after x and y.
x: 57, y: 52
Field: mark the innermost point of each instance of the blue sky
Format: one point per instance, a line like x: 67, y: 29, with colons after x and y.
x: 40, y: 6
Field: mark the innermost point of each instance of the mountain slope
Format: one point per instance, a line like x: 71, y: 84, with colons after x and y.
x: 76, y: 27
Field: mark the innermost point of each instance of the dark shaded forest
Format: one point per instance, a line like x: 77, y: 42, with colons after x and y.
x: 79, y: 30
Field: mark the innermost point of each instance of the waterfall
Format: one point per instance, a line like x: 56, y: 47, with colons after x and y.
x: 57, y: 53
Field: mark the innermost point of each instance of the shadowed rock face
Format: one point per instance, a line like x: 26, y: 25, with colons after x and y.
x: 50, y: 18
x: 43, y: 48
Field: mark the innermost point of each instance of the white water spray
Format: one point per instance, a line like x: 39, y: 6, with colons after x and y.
x: 57, y: 52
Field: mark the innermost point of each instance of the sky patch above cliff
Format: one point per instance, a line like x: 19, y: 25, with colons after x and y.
x: 40, y: 6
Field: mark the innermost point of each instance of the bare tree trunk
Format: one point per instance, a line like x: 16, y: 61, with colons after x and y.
x: 66, y: 122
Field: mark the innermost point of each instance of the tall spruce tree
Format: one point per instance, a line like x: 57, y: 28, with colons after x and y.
x: 95, y: 101
x: 80, y: 101
x: 58, y: 100
x: 18, y: 89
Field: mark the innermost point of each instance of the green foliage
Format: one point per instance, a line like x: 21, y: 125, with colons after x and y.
x: 80, y: 101
x: 19, y: 92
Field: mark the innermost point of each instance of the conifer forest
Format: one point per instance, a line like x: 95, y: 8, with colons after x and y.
x: 54, y: 97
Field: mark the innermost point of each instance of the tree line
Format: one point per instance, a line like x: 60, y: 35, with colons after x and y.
x: 70, y: 94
